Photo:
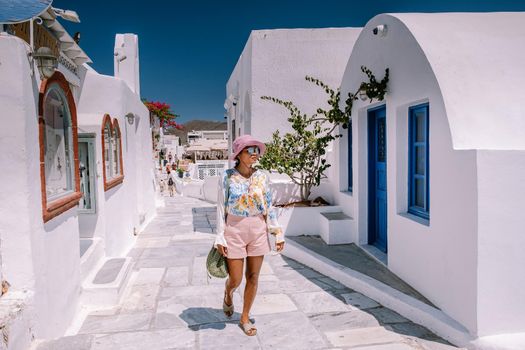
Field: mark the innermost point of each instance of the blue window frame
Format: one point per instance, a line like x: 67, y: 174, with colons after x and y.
x: 418, y: 161
x: 350, y: 167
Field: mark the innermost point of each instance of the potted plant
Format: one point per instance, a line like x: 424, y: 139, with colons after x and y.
x: 301, y: 154
x: 180, y: 172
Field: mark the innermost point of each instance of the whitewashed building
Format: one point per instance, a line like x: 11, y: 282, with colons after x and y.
x: 173, y: 147
x: 275, y: 63
x: 209, y: 152
x: 196, y: 136
x: 77, y: 179
x: 433, y: 175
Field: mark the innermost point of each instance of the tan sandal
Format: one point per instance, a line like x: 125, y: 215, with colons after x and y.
x: 228, y: 309
x: 248, y: 328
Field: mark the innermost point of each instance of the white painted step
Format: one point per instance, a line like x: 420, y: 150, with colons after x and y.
x: 105, y: 286
x: 91, y: 254
x: 336, y: 228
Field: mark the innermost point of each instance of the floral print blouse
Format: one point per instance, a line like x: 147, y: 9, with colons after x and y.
x: 246, y: 197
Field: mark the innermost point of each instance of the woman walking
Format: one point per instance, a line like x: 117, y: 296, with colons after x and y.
x: 244, y: 221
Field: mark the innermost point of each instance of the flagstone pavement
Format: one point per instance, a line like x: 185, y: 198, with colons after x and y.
x: 170, y: 303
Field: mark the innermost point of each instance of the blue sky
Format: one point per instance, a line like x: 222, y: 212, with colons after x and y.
x: 189, y: 48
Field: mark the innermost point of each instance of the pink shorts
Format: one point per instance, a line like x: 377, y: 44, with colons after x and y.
x: 246, y: 236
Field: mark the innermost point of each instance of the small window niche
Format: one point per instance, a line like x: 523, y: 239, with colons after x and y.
x: 112, y: 158
x: 58, y: 141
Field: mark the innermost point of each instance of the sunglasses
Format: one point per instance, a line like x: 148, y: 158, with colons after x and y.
x: 253, y: 150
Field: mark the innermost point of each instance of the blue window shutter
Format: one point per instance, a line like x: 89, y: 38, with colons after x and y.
x: 350, y: 166
x: 418, y: 161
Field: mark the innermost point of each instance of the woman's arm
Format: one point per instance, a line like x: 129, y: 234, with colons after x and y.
x: 221, y: 198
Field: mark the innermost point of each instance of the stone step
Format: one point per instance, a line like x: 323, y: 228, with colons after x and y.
x: 336, y: 228
x: 91, y: 254
x: 105, y: 286
x: 16, y: 319
x: 80, y: 341
x: 406, y: 305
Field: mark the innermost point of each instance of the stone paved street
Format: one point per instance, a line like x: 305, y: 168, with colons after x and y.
x: 169, y: 302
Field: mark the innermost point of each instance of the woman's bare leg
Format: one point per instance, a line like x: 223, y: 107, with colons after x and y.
x: 253, y: 268
x: 235, y: 268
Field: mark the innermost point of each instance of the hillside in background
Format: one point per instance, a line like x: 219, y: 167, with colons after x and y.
x: 198, y: 125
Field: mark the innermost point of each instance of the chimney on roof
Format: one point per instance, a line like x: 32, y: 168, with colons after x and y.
x: 126, y: 60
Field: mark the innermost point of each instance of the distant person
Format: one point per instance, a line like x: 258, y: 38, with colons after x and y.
x: 171, y: 183
x: 245, y: 219
x: 162, y: 186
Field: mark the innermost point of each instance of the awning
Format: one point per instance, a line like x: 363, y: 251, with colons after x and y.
x: 17, y: 11
x: 67, y: 45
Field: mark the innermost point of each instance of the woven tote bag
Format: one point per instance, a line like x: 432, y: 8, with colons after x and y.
x: 216, y: 264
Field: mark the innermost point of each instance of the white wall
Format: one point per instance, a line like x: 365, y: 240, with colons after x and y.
x: 438, y: 259
x: 239, y: 87
x: 275, y: 63
x: 123, y: 210
x: 280, y: 61
x: 501, y: 281
x: 38, y: 256
x: 45, y: 257
x: 19, y: 112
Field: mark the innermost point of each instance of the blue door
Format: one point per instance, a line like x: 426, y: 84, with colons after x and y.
x: 377, y: 198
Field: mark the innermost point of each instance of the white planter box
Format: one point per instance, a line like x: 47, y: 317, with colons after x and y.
x: 297, y: 221
x: 337, y: 228
x: 189, y: 187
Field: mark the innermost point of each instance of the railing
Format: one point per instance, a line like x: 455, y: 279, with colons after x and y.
x: 210, y: 168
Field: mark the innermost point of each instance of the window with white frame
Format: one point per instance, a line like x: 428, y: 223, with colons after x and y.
x: 418, y: 161
x: 58, y: 144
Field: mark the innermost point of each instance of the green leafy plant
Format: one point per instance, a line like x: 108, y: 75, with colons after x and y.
x: 301, y: 153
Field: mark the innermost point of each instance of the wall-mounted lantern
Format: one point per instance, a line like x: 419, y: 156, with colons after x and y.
x: 131, y: 118
x: 381, y: 30
x: 46, y: 62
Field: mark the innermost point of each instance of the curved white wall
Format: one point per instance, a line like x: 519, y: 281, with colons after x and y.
x: 478, y: 60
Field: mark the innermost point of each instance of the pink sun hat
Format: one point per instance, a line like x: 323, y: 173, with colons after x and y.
x: 244, y: 141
